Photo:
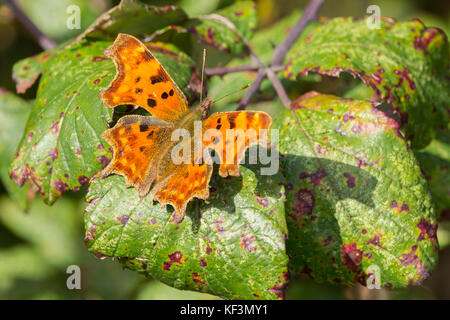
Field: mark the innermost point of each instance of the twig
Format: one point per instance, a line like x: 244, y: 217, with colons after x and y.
x: 220, y: 71
x: 45, y: 42
x: 278, y: 87
x: 309, y: 14
x: 252, y: 90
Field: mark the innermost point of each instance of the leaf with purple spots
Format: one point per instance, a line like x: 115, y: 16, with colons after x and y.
x: 226, y: 29
x: 27, y: 71
x: 232, y: 246
x: 132, y: 17
x: 356, y: 197
x: 405, y: 64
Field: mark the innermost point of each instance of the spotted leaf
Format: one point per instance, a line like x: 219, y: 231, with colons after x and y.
x: 358, y: 206
x: 231, y: 246
x: 132, y: 17
x: 405, y: 64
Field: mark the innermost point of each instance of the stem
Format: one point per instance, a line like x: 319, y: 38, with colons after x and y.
x: 278, y: 87
x: 309, y: 14
x: 45, y: 42
x: 220, y: 71
x: 253, y: 89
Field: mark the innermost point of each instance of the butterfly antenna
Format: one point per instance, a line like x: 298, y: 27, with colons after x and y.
x: 229, y: 94
x: 203, y: 70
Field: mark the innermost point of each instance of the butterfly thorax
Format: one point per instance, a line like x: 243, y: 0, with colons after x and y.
x: 199, y: 113
x: 186, y: 122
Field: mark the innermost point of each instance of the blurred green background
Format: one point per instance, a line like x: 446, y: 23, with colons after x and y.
x: 37, y: 247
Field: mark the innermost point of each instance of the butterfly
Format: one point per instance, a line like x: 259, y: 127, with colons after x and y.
x: 142, y: 145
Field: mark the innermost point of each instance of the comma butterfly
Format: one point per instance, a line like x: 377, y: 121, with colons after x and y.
x: 142, y: 145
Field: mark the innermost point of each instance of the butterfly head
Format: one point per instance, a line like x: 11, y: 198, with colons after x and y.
x: 204, y: 108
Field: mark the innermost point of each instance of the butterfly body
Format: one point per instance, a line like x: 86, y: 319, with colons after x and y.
x: 143, y: 146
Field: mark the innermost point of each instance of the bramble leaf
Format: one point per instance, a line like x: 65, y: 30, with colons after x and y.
x: 227, y: 29
x: 405, y: 63
x: 26, y: 71
x: 357, y: 204
x: 132, y: 17
x: 231, y: 245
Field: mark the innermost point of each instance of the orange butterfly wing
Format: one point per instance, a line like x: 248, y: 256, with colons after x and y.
x: 188, y: 181
x: 239, y: 130
x: 136, y: 141
x: 141, y: 80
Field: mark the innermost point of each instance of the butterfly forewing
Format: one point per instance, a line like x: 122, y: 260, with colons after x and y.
x: 141, y: 80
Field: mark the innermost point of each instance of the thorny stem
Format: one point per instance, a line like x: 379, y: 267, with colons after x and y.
x: 309, y: 14
x: 45, y: 42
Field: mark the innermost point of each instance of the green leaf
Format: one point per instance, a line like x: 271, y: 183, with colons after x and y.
x: 231, y: 245
x: 406, y: 65
x: 61, y: 148
x: 14, y: 113
x: 356, y: 199
x: 26, y: 71
x: 226, y: 29
x: 435, y: 163
x: 52, y: 234
x: 132, y: 17
x: 21, y: 262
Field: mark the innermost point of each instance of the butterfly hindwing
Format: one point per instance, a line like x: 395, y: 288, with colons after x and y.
x: 141, y: 80
x: 136, y: 141
x: 185, y: 183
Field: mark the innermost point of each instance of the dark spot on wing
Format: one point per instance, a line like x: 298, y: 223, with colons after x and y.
x: 232, y: 120
x: 147, y: 55
x: 143, y: 127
